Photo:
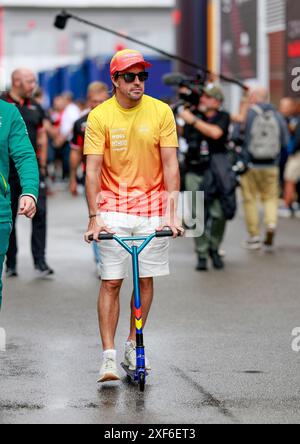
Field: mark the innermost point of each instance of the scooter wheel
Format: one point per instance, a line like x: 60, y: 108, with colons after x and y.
x: 129, y: 379
x: 142, y: 382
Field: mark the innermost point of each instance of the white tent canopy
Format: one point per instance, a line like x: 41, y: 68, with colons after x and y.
x: 90, y: 3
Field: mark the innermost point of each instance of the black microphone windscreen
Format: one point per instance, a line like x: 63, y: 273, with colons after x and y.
x: 61, y: 21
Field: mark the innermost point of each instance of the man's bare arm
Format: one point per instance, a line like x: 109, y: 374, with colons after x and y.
x: 93, y: 188
x: 209, y: 130
x: 76, y: 158
x: 93, y: 173
x: 42, y: 143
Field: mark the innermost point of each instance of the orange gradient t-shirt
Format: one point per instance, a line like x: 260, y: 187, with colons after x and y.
x: 132, y: 178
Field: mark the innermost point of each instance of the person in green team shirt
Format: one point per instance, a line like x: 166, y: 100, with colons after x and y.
x: 15, y: 145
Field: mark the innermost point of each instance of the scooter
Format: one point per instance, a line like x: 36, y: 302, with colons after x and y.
x: 140, y: 374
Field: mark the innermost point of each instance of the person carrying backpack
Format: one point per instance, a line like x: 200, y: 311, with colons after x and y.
x: 266, y: 134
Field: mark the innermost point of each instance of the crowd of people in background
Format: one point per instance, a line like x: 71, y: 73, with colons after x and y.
x: 264, y: 141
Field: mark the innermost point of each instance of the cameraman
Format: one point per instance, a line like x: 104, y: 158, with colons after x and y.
x: 206, y: 132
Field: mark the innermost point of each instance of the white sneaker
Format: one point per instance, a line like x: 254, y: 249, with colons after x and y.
x: 109, y: 370
x: 130, y: 357
x: 222, y: 253
x: 296, y: 210
x: 253, y: 244
x: 285, y: 213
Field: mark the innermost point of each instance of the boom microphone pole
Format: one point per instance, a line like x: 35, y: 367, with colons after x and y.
x: 62, y: 19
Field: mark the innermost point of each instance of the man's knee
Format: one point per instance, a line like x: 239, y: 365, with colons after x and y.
x: 112, y: 286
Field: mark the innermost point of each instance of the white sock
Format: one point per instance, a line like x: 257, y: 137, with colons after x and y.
x: 112, y: 354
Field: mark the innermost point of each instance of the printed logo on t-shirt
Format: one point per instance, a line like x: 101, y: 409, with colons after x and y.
x: 119, y: 140
x: 144, y: 129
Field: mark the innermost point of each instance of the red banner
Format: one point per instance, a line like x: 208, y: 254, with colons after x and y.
x: 294, y: 49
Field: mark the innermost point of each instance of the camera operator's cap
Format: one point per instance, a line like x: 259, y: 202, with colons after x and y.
x: 125, y: 59
x: 214, y: 91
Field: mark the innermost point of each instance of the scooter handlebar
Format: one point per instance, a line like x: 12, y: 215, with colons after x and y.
x: 103, y: 236
x: 164, y: 233
x: 108, y: 236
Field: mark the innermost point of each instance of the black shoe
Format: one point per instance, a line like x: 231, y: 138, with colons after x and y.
x: 270, y: 236
x: 217, y: 261
x: 43, y: 269
x: 202, y: 264
x: 11, y: 272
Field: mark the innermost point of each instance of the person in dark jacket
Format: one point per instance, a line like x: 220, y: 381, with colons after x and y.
x: 206, y: 132
x: 23, y: 86
x: 15, y: 145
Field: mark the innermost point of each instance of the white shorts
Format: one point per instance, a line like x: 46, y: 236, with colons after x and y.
x: 116, y: 261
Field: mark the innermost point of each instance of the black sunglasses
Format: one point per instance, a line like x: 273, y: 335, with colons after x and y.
x: 130, y: 77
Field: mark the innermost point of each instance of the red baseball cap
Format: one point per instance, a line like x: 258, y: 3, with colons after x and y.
x: 125, y: 59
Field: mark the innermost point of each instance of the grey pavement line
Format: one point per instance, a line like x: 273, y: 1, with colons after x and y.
x: 209, y: 399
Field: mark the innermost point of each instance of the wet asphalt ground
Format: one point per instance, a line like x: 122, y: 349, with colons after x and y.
x: 219, y: 343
